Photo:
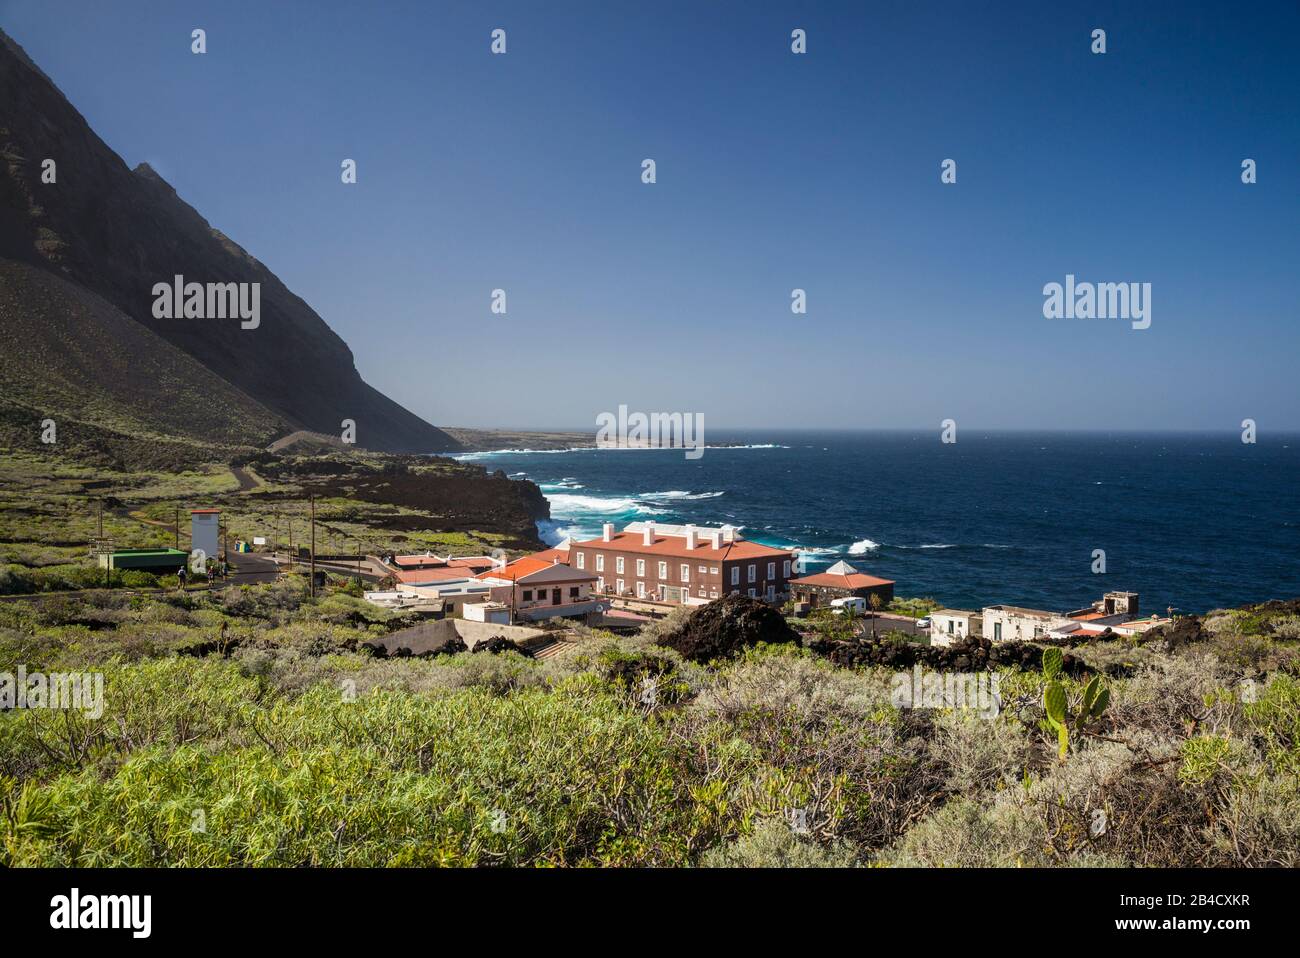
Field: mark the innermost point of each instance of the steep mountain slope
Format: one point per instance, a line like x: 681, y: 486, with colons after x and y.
x: 116, y: 232
x: 74, y: 358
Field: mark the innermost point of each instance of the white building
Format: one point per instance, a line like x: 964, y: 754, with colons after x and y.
x: 952, y: 625
x: 1010, y: 623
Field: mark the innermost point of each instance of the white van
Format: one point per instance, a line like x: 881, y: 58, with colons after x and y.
x: 854, y: 602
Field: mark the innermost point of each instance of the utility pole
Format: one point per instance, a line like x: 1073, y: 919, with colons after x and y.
x: 178, y: 528
x: 290, y: 521
x: 108, y: 564
x: 313, y: 546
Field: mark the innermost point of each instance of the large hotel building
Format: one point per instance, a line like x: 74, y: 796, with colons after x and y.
x: 685, y: 564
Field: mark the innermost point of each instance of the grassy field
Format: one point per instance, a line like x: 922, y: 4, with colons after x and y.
x: 50, y: 510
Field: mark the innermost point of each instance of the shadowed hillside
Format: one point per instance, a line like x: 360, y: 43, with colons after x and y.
x: 108, y: 382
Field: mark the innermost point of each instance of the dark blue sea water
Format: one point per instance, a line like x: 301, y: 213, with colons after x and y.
x: 1190, y: 520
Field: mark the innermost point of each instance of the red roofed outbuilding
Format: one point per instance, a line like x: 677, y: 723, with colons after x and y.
x: 840, y: 581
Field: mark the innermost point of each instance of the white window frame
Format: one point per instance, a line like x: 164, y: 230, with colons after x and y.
x: 600, y: 562
x: 663, y: 571
x: 640, y: 567
x: 582, y: 560
x: 640, y: 590
x: 620, y: 586
x: 785, y: 569
x: 618, y: 564
x: 753, y: 572
x: 686, y: 572
x: 771, y: 570
x: 735, y: 576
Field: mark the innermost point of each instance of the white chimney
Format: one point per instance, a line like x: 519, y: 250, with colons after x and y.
x: 608, y: 531
x: 690, y: 537
x: 649, y: 537
x: 716, y: 536
x: 728, y: 533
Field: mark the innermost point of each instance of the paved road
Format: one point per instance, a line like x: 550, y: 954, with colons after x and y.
x: 247, y: 568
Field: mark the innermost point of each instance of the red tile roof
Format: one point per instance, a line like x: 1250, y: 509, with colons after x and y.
x: 523, y: 567
x: 633, y: 542
x: 472, y: 562
x: 856, y: 580
x: 549, y: 554
x: 419, y: 562
x: 436, y: 574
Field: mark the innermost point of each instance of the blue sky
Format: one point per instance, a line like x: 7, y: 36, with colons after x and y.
x: 775, y: 171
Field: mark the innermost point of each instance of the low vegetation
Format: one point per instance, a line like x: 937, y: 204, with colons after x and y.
x: 247, y: 728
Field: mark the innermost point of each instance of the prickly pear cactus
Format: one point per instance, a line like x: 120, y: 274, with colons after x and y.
x: 1052, y: 661
x: 1054, y: 703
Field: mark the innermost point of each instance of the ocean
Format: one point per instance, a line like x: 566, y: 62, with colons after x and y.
x: 1190, y: 520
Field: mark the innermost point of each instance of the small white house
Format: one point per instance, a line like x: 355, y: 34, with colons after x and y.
x: 952, y: 625
x: 496, y: 613
x: 1010, y: 623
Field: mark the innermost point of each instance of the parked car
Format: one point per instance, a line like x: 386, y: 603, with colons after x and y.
x: 923, y: 623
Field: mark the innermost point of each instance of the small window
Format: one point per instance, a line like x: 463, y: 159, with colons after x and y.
x: 686, y: 572
x: 640, y: 590
x: 573, y: 592
x: 713, y: 570
x: 785, y: 569
x: 663, y: 570
x: 753, y: 573
x: 582, y: 560
x: 640, y: 566
x: 702, y: 569
x: 771, y: 570
x: 600, y: 562
x: 753, y: 593
x: 528, y: 595
x: 735, y: 576
x: 950, y: 626
x: 621, y: 587
x: 618, y: 564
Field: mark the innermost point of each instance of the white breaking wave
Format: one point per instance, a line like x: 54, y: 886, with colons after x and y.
x: 679, y: 495
x: 571, y: 505
x: 863, y: 546
x: 937, y: 545
x: 489, y: 453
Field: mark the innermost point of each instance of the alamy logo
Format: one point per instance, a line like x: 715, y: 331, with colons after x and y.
x: 1130, y: 301
x: 920, y: 689
x: 657, y: 430
x: 133, y: 912
x: 181, y: 300
x: 68, y: 691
